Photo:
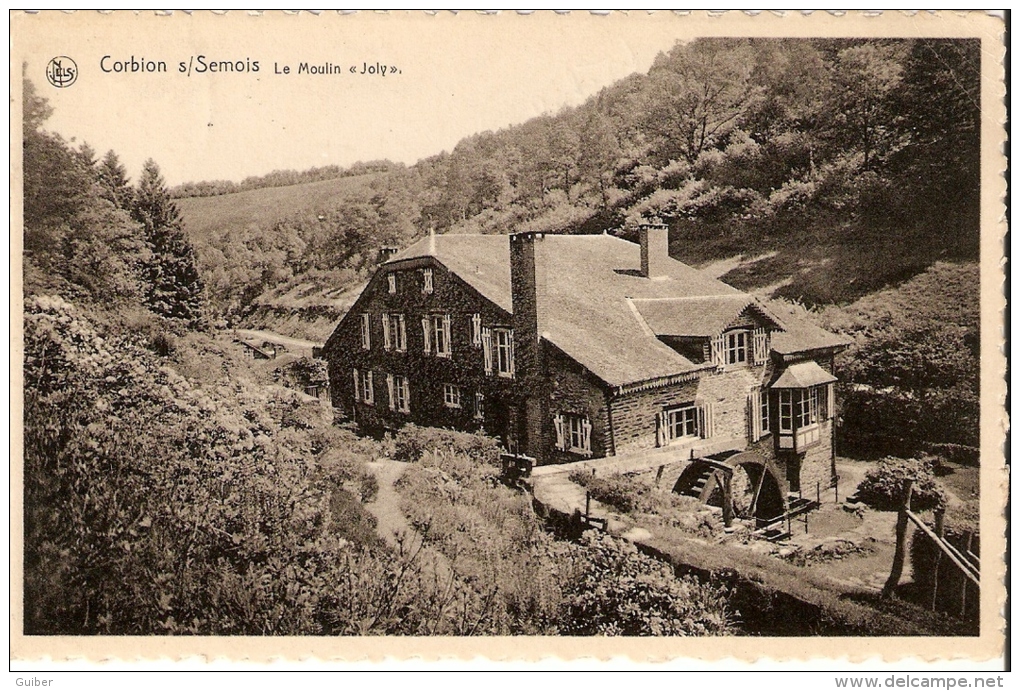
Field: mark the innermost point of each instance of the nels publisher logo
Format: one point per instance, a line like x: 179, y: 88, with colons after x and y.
x: 62, y: 72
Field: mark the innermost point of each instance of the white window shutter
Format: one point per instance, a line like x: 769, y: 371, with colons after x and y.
x: 366, y: 331
x: 561, y: 436
x: 487, y: 349
x: 476, y: 330
x: 718, y: 351
x: 405, y: 385
x: 393, y: 282
x: 705, y: 421
x: 446, y: 333
x: 754, y: 411
x: 751, y: 431
x: 426, y: 334
x: 389, y: 392
x: 830, y: 395
x: 357, y: 385
x: 369, y: 388
x: 427, y: 280
x: 661, y: 421
x: 402, y: 336
x: 761, y: 346
x: 386, y: 331
x: 510, y: 340
x: 586, y: 436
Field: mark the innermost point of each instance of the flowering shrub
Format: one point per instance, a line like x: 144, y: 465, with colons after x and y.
x: 615, y: 590
x: 412, y: 442
x: 882, y: 488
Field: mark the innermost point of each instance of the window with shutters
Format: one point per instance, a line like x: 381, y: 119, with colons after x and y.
x: 479, y: 405
x: 401, y: 394
x: 395, y: 335
x: 451, y: 395
x: 426, y: 286
x: 735, y: 347
x: 366, y: 331
x: 763, y: 412
x: 440, y: 325
x: 573, y: 433
x: 392, y: 279
x: 504, y: 352
x: 367, y: 388
x: 682, y: 422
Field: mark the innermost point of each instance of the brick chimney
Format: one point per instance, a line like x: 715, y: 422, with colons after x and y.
x: 385, y: 253
x: 527, y: 285
x: 654, y: 239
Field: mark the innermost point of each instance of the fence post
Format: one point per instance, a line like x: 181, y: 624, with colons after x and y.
x: 587, y: 505
x: 968, y: 541
x: 727, y: 501
x: 901, y: 542
x: 940, y: 530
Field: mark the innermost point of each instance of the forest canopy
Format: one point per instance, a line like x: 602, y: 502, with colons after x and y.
x: 860, y: 156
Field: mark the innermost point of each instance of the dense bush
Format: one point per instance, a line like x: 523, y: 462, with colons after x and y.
x: 154, y: 505
x: 618, y: 591
x: 412, y: 442
x: 630, y: 495
x: 533, y: 584
x: 882, y: 488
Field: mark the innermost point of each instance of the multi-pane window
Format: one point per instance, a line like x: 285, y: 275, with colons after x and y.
x: 395, y: 334
x: 451, y: 395
x: 736, y: 347
x: 392, y: 279
x: 786, y: 398
x: 441, y: 335
x: 504, y: 352
x: 401, y: 394
x: 367, y: 389
x: 682, y: 422
x: 573, y: 433
x: 801, y: 411
x: 479, y: 405
x: 763, y: 413
x: 366, y: 331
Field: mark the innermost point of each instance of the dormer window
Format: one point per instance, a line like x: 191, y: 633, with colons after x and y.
x: 735, y: 347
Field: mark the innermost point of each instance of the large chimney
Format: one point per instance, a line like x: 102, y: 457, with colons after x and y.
x: 654, y: 238
x: 527, y: 285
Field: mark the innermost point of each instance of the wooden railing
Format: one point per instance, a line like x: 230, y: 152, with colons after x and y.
x: 968, y: 563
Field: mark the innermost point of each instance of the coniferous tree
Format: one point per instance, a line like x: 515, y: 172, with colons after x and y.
x: 171, y: 275
x: 113, y: 182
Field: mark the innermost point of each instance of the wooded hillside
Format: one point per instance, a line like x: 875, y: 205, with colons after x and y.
x: 831, y: 168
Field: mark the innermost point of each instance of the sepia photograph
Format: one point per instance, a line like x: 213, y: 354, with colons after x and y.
x: 508, y: 335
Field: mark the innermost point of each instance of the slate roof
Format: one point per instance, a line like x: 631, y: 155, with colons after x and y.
x: 802, y: 375
x: 596, y: 307
x: 698, y: 316
x: 482, y: 261
x: 801, y: 335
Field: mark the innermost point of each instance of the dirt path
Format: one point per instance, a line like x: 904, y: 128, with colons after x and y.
x: 392, y: 524
x: 386, y: 508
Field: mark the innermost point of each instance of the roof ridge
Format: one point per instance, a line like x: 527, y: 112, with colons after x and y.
x: 743, y: 296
